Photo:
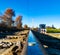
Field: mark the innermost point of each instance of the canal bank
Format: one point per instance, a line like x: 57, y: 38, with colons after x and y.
x: 55, y: 35
x: 34, y: 47
x: 51, y: 44
x: 18, y: 41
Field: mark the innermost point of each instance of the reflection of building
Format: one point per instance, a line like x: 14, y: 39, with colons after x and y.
x: 42, y: 28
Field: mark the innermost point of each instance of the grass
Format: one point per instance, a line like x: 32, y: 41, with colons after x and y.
x: 53, y: 30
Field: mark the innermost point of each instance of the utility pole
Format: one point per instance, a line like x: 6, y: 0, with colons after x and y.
x: 32, y: 23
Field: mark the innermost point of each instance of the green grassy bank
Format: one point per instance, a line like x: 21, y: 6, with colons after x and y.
x: 53, y: 30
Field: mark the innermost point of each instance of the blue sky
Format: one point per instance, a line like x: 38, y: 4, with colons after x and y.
x: 35, y: 12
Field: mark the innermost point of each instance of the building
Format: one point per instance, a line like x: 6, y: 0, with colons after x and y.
x: 42, y: 28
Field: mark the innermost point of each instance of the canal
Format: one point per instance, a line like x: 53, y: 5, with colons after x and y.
x: 33, y: 46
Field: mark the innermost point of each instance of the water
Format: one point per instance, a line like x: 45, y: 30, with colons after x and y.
x: 33, y: 49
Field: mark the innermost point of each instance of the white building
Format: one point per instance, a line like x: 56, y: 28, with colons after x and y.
x: 42, y: 28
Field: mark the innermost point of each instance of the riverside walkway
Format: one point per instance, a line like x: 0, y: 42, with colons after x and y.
x: 33, y: 46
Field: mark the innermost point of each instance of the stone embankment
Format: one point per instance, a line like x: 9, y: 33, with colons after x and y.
x: 19, y: 41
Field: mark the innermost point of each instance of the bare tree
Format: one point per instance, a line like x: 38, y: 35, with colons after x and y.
x: 9, y: 13
x: 2, y: 20
x: 25, y: 26
x: 19, y: 22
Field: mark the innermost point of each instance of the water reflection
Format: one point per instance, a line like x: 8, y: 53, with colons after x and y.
x: 33, y: 46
